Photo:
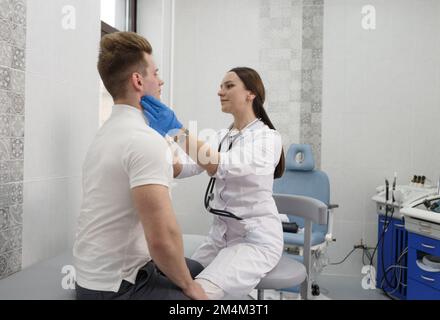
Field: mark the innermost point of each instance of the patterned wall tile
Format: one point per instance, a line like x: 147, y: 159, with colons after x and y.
x: 5, y: 9
x: 16, y: 193
x: 5, y: 130
x: 18, y: 36
x: 17, y: 105
x: 17, y: 58
x: 15, y: 215
x: 11, y: 239
x: 13, y: 34
x: 5, y: 31
x: 306, y: 119
x: 16, y: 126
x: 17, y: 81
x: 5, y: 54
x: 306, y: 107
x: 5, y: 101
x: 15, y: 237
x: 311, y: 92
x: 5, y: 147
x: 5, y: 238
x: 10, y: 262
x: 18, y: 15
x: 4, y: 218
x: 316, y: 107
x: 4, y: 258
x: 5, y: 78
x: 5, y: 175
x: 5, y: 195
x: 280, y: 63
x: 16, y: 149
x: 12, y: 86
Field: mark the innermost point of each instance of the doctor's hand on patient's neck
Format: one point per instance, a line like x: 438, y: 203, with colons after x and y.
x: 160, y: 117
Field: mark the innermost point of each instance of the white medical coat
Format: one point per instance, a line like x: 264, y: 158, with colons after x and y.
x: 237, y: 254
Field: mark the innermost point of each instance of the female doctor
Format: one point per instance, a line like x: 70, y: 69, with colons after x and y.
x: 245, y: 241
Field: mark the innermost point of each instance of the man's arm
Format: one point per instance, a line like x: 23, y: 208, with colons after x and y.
x: 163, y: 236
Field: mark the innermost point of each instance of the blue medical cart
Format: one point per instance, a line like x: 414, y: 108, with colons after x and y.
x: 422, y: 285
x: 395, y: 240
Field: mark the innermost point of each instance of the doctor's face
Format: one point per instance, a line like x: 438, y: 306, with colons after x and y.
x: 232, y: 94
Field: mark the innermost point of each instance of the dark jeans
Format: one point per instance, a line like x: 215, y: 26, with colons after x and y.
x: 150, y: 284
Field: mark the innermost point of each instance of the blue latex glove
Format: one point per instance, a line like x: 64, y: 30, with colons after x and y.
x: 160, y: 117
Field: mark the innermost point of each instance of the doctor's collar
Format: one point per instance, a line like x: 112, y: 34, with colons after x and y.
x: 235, y: 131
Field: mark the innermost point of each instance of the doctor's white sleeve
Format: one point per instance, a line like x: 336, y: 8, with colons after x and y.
x: 189, y: 167
x: 256, y: 154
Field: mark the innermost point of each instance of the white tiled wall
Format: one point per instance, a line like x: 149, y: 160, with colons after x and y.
x: 62, y: 100
x: 381, y: 109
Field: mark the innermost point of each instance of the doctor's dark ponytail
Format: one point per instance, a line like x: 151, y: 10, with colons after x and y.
x: 253, y: 83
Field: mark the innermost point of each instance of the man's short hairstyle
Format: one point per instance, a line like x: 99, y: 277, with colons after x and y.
x: 121, y: 54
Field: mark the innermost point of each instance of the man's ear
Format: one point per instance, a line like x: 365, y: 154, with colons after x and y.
x: 137, y: 81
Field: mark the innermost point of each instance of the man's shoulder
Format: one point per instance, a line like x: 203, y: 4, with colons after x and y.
x: 146, y: 142
x: 133, y: 128
x: 130, y: 135
x: 145, y: 136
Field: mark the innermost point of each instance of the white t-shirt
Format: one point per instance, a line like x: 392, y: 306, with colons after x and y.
x: 110, y: 243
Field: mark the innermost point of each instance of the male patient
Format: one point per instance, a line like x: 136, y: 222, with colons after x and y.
x: 128, y: 243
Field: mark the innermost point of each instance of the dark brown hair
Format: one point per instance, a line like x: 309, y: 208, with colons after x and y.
x: 252, y: 82
x: 121, y: 54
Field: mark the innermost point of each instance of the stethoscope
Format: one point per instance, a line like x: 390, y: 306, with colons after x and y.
x: 209, y: 194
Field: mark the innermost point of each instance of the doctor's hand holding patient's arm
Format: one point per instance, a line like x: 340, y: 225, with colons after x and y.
x: 162, y: 119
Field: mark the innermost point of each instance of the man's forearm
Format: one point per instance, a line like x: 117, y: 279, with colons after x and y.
x: 167, y: 255
x: 163, y: 236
